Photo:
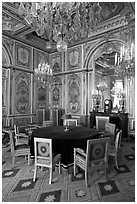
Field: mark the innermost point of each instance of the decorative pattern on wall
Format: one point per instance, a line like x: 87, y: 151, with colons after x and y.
x: 74, y: 58
x: 8, y: 44
x: 74, y: 94
x: 22, y: 121
x: 56, y: 92
x: 22, y: 55
x: 42, y: 97
x: 56, y: 62
x: 22, y: 93
x: 38, y: 56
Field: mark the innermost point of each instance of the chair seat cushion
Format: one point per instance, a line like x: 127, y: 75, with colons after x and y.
x: 46, y: 161
x: 22, y: 146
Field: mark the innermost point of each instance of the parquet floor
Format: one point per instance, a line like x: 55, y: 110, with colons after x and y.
x: 18, y: 185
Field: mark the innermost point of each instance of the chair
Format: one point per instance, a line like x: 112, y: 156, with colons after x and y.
x: 96, y: 152
x: 101, y: 122
x: 131, y: 128
x: 109, y: 131
x: 18, y: 150
x: 44, y: 156
x: 113, y: 149
x: 21, y: 138
x: 47, y: 123
x: 70, y: 122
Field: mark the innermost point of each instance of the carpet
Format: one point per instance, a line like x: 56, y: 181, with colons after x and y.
x: 53, y: 196
x: 25, y: 184
x: 80, y: 176
x: 108, y: 188
x: 9, y: 173
x: 122, y: 169
x: 130, y: 157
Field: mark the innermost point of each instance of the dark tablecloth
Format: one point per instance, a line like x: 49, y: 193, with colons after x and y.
x: 64, y: 142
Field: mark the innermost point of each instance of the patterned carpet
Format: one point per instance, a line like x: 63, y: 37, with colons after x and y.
x: 18, y: 185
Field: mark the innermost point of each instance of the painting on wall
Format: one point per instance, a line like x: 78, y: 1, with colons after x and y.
x: 56, y: 62
x: 22, y: 102
x: 74, y: 58
x: 74, y: 94
x: 22, y: 55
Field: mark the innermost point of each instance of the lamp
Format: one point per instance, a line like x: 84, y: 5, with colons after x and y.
x: 61, y: 22
x: 43, y: 72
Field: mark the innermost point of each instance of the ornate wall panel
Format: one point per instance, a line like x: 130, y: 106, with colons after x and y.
x: 41, y: 97
x: 56, y: 62
x: 74, y: 58
x: 23, y: 56
x: 22, y: 121
x: 7, y: 48
x: 38, y: 56
x: 22, y: 93
x: 74, y: 91
x: 57, y: 92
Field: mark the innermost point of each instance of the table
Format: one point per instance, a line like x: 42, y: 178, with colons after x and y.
x: 64, y: 142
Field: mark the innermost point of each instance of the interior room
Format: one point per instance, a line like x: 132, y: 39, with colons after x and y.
x: 68, y: 101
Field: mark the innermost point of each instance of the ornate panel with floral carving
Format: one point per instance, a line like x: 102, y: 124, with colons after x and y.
x: 22, y: 93
x: 74, y: 94
x: 74, y: 58
x: 56, y: 62
x: 22, y: 55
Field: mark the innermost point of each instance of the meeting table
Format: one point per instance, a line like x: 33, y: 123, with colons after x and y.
x: 64, y: 142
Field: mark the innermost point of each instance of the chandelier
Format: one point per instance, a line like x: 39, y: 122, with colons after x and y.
x: 101, y: 87
x: 43, y: 73
x: 61, y: 22
x: 125, y: 61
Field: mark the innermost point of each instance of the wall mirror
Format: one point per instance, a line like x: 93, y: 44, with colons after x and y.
x: 109, y: 82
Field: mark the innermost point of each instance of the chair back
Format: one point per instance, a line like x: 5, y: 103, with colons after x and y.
x: 70, y: 122
x: 110, y: 128
x: 118, y: 140
x: 12, y: 141
x: 101, y: 122
x: 97, y: 150
x: 47, y: 123
x: 43, y: 151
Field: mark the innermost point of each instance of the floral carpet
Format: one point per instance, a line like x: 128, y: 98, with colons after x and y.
x: 18, y: 185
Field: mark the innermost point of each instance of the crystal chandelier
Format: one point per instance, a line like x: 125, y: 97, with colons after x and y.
x: 125, y: 61
x: 61, y: 22
x: 43, y: 73
x: 101, y: 87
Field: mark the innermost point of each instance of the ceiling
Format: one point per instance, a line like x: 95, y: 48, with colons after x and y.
x: 15, y: 26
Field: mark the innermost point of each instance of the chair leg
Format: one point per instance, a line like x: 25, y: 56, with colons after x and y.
x: 50, y: 176
x: 28, y: 159
x: 74, y: 168
x: 59, y: 167
x: 106, y: 172
x: 13, y: 159
x: 86, y: 178
x: 35, y: 172
x: 116, y: 161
